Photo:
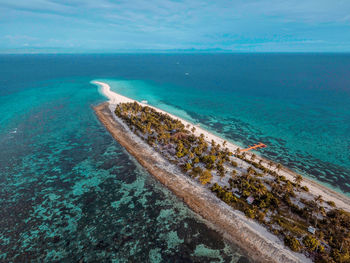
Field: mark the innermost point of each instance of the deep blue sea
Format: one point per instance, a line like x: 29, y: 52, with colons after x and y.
x: 70, y: 193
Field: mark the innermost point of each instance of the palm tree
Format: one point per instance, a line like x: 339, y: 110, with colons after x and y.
x: 260, y: 191
x: 278, y: 167
x: 238, y: 151
x: 251, y: 170
x: 288, y: 187
x: 316, y: 209
x: 253, y: 157
x: 270, y: 164
x: 245, y: 176
x: 345, y: 240
x: 319, y: 199
x: 297, y: 179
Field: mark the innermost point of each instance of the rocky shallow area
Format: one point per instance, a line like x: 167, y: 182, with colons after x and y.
x: 256, y: 241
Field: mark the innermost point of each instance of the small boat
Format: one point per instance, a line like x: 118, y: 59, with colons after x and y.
x: 144, y: 101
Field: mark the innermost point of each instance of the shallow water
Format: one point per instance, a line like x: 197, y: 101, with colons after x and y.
x: 68, y: 191
x: 299, y: 105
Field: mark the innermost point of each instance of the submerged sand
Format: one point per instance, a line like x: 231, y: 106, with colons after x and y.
x: 315, y: 188
x: 252, y: 238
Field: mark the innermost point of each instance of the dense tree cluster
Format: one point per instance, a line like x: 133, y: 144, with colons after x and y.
x: 258, y: 191
x: 167, y: 135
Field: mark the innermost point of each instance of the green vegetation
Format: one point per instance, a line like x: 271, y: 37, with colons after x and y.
x: 284, y: 207
x: 205, y: 177
x: 292, y: 243
x: 331, y: 203
x: 305, y: 188
x: 311, y: 243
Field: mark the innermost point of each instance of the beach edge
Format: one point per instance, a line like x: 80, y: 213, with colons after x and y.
x: 233, y: 225
x: 341, y: 200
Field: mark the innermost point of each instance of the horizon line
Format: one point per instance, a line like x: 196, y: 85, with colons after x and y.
x: 174, y: 52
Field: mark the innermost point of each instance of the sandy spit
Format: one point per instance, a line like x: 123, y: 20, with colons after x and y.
x: 315, y: 188
x: 252, y: 238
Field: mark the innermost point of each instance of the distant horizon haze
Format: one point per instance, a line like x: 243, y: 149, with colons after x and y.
x: 106, y: 26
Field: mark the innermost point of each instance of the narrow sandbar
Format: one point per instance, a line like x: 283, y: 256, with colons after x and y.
x: 340, y: 200
x: 252, y: 238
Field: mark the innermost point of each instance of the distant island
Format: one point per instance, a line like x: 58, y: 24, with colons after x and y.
x: 256, y: 203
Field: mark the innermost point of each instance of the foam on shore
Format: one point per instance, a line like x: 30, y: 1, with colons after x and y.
x: 315, y: 188
x: 259, y: 244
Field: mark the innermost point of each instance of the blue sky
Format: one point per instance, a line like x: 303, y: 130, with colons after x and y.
x: 134, y: 25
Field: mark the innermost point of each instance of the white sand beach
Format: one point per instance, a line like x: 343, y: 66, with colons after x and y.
x: 315, y: 188
x: 253, y: 238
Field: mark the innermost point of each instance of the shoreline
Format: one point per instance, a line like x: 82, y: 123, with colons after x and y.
x: 340, y: 200
x: 253, y: 239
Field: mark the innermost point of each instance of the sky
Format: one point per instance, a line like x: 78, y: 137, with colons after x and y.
x: 99, y: 26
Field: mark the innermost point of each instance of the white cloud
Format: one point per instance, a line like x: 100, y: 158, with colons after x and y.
x: 167, y: 23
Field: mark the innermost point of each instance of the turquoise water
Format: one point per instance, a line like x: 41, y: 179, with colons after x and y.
x: 312, y: 139
x: 69, y: 192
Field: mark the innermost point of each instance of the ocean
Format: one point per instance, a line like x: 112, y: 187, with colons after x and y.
x: 69, y: 192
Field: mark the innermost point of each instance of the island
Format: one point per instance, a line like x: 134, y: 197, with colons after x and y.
x: 269, y: 211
